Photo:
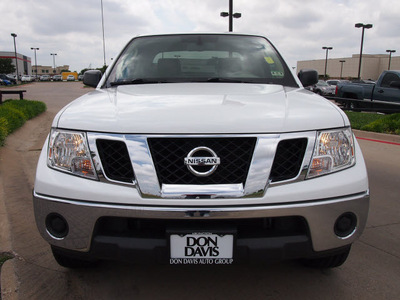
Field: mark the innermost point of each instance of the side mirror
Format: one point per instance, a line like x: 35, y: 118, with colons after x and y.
x: 92, y: 78
x: 308, y: 77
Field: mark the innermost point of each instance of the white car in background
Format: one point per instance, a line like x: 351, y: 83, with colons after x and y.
x: 45, y: 78
x: 70, y: 78
x: 27, y: 78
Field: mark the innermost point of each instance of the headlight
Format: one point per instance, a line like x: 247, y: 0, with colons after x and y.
x: 333, y: 151
x: 69, y: 152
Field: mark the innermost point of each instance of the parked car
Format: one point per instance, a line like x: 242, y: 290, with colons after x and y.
x: 201, y: 149
x: 27, y: 78
x: 8, y: 78
x: 80, y: 77
x: 5, y: 82
x: 363, y: 81
x: 45, y: 78
x: 57, y: 78
x: 335, y: 82
x: 324, y: 89
x: 70, y: 78
x: 385, y: 91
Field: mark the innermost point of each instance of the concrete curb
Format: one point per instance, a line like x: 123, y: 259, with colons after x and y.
x: 8, y: 279
x: 391, y: 138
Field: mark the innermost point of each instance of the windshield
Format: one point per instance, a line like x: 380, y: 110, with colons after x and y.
x: 200, y: 58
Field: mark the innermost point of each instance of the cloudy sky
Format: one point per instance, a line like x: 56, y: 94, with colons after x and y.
x: 299, y: 29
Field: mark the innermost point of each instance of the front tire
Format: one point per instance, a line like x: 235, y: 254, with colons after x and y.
x: 328, y: 262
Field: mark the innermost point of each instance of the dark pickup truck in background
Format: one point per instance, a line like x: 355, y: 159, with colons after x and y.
x: 384, y: 94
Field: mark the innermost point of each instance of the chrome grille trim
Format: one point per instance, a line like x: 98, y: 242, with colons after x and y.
x: 257, y: 182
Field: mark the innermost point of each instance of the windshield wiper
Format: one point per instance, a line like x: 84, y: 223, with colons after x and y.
x: 135, y: 81
x: 221, y: 79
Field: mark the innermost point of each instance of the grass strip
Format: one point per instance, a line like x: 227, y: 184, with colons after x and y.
x: 375, y: 122
x: 14, y: 113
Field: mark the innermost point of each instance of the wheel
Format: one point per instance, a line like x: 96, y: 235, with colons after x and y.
x: 327, y: 262
x: 69, y: 261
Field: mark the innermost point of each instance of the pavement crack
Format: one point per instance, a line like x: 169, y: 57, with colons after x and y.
x: 379, y: 249
x: 383, y: 225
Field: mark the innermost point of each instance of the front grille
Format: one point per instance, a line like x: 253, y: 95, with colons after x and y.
x: 288, y: 159
x: 115, y: 160
x: 168, y: 156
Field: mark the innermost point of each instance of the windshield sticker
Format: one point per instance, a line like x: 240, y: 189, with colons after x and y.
x: 269, y: 60
x: 277, y: 73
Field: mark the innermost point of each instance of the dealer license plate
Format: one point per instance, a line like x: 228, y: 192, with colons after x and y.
x: 201, y: 248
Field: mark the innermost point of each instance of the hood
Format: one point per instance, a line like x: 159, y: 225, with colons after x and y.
x: 199, y: 108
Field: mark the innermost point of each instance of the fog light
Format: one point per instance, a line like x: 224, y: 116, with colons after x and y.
x: 56, y: 226
x: 345, y: 225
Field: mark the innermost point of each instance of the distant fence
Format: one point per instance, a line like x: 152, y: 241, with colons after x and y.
x: 366, y: 105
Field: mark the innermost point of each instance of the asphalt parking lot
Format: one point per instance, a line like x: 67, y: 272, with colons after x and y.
x: 371, y: 272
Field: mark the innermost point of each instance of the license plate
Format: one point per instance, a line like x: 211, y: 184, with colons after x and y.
x: 201, y: 248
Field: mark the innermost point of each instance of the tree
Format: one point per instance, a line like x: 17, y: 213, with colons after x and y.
x: 65, y: 71
x: 83, y: 71
x: 6, y: 66
x: 102, y: 69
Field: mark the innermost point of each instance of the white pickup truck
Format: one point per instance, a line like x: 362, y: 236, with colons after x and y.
x: 201, y: 149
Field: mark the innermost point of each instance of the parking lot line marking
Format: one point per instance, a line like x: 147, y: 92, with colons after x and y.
x: 379, y: 141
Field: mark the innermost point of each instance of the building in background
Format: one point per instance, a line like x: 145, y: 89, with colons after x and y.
x: 24, y: 62
x: 48, y: 70
x: 371, y: 67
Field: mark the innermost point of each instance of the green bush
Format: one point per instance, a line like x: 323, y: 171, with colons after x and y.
x: 387, y: 124
x: 14, y: 113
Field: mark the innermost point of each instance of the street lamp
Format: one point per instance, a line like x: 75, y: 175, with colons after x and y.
x: 341, y: 68
x: 102, y: 25
x: 231, y: 15
x: 363, y: 26
x: 54, y: 61
x: 34, y: 49
x: 15, y: 51
x: 390, y: 56
x: 326, y: 58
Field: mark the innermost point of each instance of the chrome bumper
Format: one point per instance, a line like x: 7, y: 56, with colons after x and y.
x: 320, y: 215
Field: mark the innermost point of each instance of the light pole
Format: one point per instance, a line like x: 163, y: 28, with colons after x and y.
x: 390, y: 56
x: 15, y: 51
x: 34, y: 49
x: 326, y: 58
x: 231, y: 15
x: 341, y: 68
x: 54, y: 61
x: 102, y: 25
x: 363, y: 26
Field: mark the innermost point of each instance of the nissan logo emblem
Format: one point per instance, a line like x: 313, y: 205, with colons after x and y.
x: 191, y: 161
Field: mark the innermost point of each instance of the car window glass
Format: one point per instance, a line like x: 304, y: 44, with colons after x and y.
x: 388, y: 79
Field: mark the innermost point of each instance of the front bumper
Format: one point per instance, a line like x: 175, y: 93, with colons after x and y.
x: 319, y: 215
